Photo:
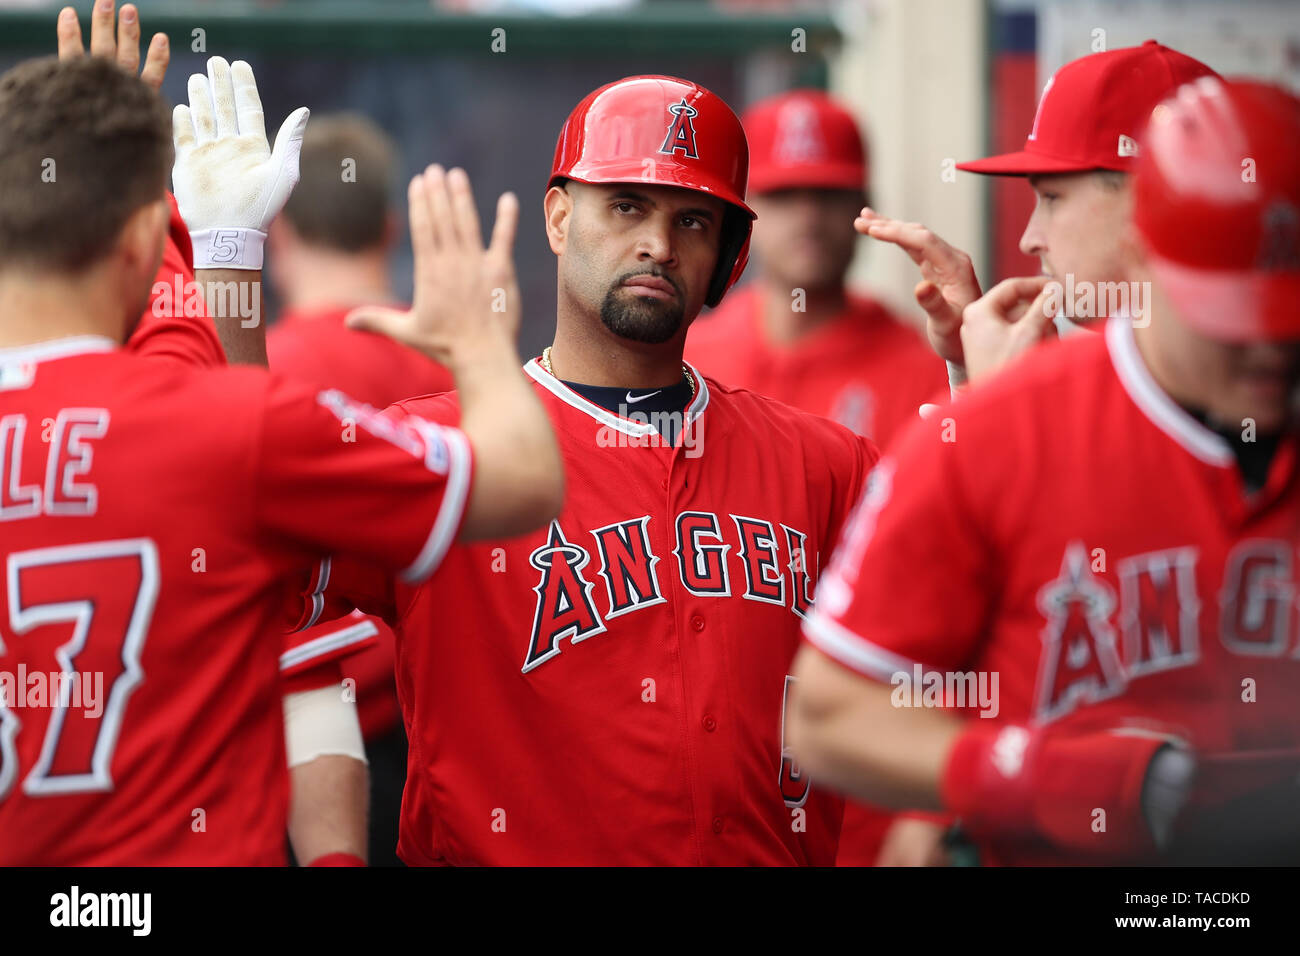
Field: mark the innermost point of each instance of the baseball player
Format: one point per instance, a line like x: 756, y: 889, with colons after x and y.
x: 610, y: 690
x: 327, y: 760
x: 1130, y: 581
x: 328, y: 251
x: 1077, y: 158
x: 146, y: 563
x: 796, y: 333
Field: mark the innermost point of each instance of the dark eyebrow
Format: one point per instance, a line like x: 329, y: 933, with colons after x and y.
x: 699, y: 212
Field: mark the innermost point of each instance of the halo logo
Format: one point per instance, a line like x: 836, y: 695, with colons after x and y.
x: 681, y: 131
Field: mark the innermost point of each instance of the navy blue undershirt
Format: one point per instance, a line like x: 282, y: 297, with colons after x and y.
x: 1253, y: 457
x: 662, y: 407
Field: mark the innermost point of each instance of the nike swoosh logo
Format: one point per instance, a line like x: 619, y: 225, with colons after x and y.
x: 641, y: 398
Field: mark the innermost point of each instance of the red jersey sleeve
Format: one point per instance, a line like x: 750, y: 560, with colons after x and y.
x: 912, y: 579
x: 337, y: 587
x: 175, y: 325
x: 326, y: 674
x: 340, y: 584
x: 327, y: 644
x: 334, y: 475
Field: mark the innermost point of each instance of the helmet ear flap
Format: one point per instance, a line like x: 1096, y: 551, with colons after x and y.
x: 736, y: 226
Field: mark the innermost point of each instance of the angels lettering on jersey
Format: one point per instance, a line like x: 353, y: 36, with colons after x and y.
x: 731, y: 556
x: 1096, y: 643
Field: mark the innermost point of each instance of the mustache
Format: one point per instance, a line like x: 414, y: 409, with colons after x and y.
x: 656, y: 273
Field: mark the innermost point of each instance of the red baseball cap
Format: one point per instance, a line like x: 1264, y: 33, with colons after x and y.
x: 803, y: 139
x: 1093, y: 110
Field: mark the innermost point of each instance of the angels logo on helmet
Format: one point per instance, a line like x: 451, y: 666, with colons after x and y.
x: 681, y: 131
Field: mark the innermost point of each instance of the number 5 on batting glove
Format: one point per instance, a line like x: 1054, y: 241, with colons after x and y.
x: 229, y: 182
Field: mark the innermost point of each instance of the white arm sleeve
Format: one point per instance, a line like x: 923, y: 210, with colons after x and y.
x: 319, y: 723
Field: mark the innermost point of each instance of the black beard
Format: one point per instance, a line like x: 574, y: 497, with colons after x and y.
x: 652, y: 321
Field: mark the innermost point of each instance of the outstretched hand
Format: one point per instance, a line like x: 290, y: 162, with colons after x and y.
x: 948, y: 283
x: 466, y: 295
x: 230, y: 182
x: 124, y: 47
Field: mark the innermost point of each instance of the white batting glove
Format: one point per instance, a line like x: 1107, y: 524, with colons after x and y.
x: 229, y: 182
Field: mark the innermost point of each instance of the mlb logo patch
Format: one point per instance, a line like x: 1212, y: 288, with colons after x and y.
x: 1127, y: 146
x: 17, y: 375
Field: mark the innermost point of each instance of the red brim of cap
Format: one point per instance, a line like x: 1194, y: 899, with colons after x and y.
x: 1230, y: 305
x: 1025, y: 163
x: 811, y: 176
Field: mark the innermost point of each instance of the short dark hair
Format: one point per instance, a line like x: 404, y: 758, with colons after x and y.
x: 345, y: 179
x: 83, y: 146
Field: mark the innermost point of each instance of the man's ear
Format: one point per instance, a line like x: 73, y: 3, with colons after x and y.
x: 140, y: 244
x: 559, y: 208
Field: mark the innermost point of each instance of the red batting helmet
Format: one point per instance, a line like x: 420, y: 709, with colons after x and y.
x: 1217, y: 203
x: 669, y: 132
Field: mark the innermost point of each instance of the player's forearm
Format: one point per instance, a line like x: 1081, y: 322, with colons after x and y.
x: 846, y: 732
x: 234, y: 298
x: 330, y: 785
x: 328, y: 807
x: 518, y: 473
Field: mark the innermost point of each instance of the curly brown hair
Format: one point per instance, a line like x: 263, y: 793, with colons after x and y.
x: 83, y: 145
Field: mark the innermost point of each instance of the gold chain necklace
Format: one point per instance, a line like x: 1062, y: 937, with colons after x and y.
x: 546, y: 364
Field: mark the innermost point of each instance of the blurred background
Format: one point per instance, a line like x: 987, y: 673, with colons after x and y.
x: 486, y: 84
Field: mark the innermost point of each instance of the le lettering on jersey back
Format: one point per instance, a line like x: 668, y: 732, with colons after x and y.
x: 112, y: 573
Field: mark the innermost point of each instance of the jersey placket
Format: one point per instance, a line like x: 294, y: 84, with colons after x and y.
x: 708, y: 719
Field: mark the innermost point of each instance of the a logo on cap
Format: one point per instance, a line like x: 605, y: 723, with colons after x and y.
x: 1279, y: 249
x: 1127, y: 146
x: 681, y: 131
x: 799, y: 135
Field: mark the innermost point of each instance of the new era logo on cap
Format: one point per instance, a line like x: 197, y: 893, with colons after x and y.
x: 1093, y: 108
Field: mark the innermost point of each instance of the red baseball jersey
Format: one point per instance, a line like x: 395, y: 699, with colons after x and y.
x: 153, y: 516
x: 611, y: 689
x: 315, y: 346
x: 1071, y: 532
x: 865, y: 369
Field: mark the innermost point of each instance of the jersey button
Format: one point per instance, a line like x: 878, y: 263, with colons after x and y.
x: 664, y: 484
x: 709, y: 723
x: 717, y: 824
x: 697, y: 622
